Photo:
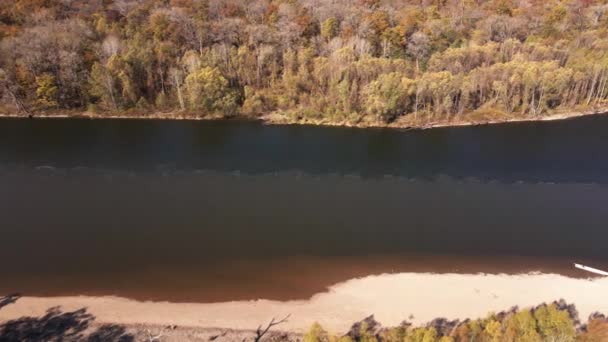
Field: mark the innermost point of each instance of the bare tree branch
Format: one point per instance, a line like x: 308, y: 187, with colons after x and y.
x: 155, y: 338
x: 215, y: 337
x: 260, y: 333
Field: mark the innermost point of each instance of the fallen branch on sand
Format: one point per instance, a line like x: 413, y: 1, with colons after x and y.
x: 157, y: 337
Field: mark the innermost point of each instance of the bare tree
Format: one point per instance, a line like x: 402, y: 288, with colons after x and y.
x: 6, y: 87
x: 419, y: 47
x: 110, y: 46
x: 261, y: 332
x: 178, y: 80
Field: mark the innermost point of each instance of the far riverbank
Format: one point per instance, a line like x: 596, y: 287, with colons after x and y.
x: 406, y: 122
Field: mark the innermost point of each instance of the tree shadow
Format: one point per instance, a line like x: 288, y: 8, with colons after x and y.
x: 56, y: 325
x: 112, y: 333
x: 53, y: 326
x: 10, y: 299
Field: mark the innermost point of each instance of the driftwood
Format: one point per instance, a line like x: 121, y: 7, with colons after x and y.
x: 261, y: 332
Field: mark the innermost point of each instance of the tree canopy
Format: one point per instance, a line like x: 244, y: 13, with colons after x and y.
x: 556, y: 321
x: 341, y: 60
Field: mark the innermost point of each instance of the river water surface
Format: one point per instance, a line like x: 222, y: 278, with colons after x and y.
x: 218, y: 211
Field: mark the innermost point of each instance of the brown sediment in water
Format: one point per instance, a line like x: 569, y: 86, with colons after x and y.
x: 291, y: 278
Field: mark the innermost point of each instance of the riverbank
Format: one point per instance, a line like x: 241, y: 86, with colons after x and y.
x: 410, y: 123
x: 406, y: 122
x: 391, y: 298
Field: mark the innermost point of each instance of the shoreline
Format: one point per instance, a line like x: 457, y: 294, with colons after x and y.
x: 295, y: 278
x: 274, y: 120
x: 391, y: 298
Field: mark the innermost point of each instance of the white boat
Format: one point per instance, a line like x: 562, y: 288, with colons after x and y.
x: 591, y: 269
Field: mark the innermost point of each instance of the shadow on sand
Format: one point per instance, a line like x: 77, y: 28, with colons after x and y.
x: 10, y: 299
x: 57, y: 325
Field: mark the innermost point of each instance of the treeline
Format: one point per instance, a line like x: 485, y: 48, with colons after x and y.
x: 556, y: 322
x: 333, y: 60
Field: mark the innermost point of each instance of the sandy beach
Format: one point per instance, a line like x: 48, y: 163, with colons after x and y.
x: 392, y: 298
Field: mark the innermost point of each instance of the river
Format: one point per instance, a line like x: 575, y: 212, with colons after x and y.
x: 232, y: 210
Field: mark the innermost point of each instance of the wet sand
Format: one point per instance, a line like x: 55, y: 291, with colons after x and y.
x: 392, y: 298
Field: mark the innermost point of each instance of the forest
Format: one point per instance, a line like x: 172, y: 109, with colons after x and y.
x: 333, y: 61
x: 555, y: 322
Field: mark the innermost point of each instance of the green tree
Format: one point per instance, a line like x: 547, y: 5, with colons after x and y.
x: 330, y: 28
x: 208, y: 90
x: 102, y: 85
x: 316, y: 333
x: 554, y: 324
x: 366, y: 334
x: 388, y: 96
x: 493, y: 330
x: 422, y: 335
x: 522, y: 327
x: 46, y: 91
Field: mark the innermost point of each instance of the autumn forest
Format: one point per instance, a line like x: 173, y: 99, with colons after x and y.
x: 338, y: 61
